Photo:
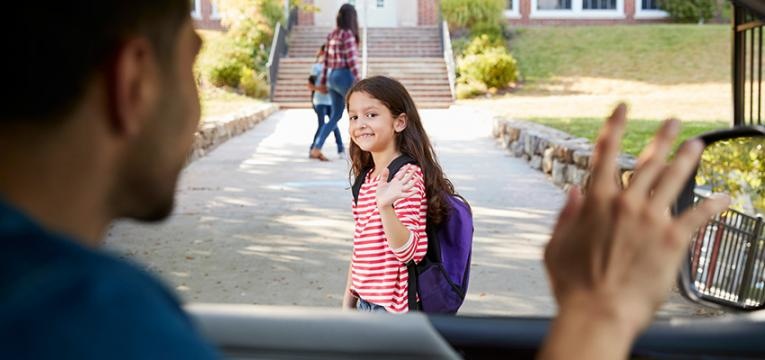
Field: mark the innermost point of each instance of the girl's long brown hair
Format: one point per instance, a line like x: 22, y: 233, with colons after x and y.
x: 412, y: 141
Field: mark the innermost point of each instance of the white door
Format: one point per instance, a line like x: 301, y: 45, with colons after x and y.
x: 375, y: 13
x: 381, y: 13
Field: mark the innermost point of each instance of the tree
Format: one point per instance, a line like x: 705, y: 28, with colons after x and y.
x: 736, y: 167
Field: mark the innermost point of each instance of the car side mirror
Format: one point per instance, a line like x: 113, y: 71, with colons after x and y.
x: 725, y: 267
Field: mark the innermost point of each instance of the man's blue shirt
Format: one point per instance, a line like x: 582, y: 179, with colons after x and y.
x: 61, y: 300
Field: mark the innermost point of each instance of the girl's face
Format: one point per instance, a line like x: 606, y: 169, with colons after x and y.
x: 372, y: 126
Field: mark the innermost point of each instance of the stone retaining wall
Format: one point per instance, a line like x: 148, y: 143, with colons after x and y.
x: 563, y: 157
x: 215, y: 131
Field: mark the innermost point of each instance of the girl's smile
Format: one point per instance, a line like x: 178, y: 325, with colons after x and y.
x: 372, y: 126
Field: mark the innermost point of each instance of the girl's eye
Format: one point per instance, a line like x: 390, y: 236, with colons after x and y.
x: 353, y: 118
x: 371, y: 115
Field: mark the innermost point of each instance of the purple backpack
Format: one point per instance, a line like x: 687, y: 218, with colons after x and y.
x: 441, y: 278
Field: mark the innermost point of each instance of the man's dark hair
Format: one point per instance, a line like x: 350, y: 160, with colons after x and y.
x: 51, y: 49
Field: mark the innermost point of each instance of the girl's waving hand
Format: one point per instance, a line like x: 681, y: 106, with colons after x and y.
x: 400, y: 187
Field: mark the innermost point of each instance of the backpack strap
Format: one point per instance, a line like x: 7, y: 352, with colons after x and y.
x: 357, y: 184
x: 411, y: 269
x: 393, y: 168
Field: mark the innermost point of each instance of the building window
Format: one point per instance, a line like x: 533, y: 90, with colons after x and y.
x: 512, y: 10
x: 578, y: 9
x: 196, y: 9
x: 554, y: 5
x: 649, y: 9
x: 650, y: 5
x: 599, y: 5
x: 214, y: 11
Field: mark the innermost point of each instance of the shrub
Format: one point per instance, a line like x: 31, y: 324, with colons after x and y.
x: 481, y: 43
x: 495, y: 68
x: 466, y: 14
x: 226, y: 74
x: 469, y: 89
x: 251, y: 26
x: 689, y: 10
x: 253, y: 85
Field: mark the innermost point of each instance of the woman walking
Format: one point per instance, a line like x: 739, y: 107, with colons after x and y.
x: 340, y: 71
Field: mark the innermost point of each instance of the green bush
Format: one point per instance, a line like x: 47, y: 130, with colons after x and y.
x: 495, y: 68
x: 480, y: 44
x: 226, y: 74
x: 689, y: 10
x: 465, y: 14
x: 253, y: 85
x: 470, y: 88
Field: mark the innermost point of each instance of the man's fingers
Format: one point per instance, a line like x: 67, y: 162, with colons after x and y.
x: 569, y: 212
x: 652, y: 160
x: 668, y: 131
x: 674, y: 177
x: 606, y: 152
x: 692, y: 219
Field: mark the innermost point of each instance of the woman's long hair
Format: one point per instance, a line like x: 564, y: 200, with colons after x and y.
x: 412, y: 141
x: 347, y: 19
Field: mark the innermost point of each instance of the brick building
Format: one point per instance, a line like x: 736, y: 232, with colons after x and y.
x: 401, y: 13
x: 375, y: 13
x: 573, y: 12
x: 205, y: 15
x: 397, y: 13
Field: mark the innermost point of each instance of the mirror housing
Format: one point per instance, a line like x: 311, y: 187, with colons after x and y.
x: 725, y: 267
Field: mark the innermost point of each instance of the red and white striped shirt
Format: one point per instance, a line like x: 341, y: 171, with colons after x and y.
x: 378, y: 273
x: 342, y: 52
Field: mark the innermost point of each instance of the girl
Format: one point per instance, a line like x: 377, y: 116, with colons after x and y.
x: 322, y: 104
x: 390, y: 217
x: 340, y: 71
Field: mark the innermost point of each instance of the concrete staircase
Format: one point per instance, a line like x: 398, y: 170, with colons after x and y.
x: 421, y: 41
x: 411, y: 55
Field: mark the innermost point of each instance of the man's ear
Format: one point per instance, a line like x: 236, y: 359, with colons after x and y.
x: 400, y: 123
x: 133, y: 86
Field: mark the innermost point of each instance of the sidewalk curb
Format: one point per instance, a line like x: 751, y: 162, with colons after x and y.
x: 213, y: 133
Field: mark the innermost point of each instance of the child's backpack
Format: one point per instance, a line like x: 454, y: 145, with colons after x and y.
x: 312, y: 81
x: 441, y: 278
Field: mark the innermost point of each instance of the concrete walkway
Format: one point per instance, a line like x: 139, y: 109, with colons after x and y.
x: 257, y: 222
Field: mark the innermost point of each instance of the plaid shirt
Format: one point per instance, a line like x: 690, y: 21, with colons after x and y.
x: 342, y: 52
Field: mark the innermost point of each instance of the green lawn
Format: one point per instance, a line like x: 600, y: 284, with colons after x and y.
x: 216, y: 101
x: 657, y: 54
x: 637, y: 135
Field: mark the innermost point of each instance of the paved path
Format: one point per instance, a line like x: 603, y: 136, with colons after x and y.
x: 258, y: 222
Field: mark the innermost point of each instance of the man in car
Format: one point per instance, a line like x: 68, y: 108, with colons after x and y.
x: 99, y: 111
x: 98, y: 115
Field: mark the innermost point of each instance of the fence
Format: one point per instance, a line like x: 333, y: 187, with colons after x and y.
x: 747, y: 62
x: 728, y: 258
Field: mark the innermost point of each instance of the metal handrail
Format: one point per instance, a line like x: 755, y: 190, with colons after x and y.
x: 279, y: 48
x: 446, y: 45
x: 364, y: 53
x: 292, y: 19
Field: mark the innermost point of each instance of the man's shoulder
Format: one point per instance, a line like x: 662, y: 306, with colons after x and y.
x: 115, y: 307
